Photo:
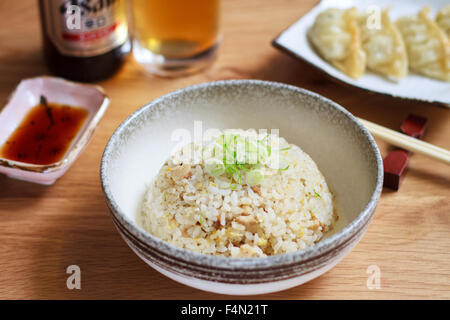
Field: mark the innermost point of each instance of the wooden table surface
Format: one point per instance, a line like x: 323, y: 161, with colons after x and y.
x: 43, y: 230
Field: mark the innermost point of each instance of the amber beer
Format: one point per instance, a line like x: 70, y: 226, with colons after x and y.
x: 176, y: 34
x: 84, y: 40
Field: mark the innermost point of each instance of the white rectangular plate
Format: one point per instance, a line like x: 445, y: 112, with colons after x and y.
x: 294, y: 41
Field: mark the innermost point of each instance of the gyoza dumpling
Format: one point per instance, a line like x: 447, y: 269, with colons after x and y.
x: 384, y: 47
x: 427, y: 45
x: 443, y: 19
x: 335, y: 35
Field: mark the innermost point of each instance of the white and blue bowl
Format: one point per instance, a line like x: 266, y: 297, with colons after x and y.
x: 343, y: 149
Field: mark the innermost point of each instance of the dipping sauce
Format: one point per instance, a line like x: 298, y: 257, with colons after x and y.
x: 45, y: 134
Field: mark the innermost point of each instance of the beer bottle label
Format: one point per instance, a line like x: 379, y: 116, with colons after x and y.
x: 85, y: 28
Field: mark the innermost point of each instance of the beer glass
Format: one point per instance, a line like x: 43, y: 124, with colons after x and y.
x: 175, y: 37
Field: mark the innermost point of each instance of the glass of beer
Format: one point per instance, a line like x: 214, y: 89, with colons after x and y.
x: 175, y: 37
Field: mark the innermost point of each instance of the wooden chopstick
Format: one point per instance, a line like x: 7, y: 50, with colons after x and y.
x: 406, y: 142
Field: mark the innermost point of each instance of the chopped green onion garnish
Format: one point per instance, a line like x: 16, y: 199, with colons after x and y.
x: 254, y: 177
x: 201, y: 219
x: 214, y: 167
x: 240, y: 157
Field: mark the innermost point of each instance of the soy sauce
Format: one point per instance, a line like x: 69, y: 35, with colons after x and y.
x: 45, y: 134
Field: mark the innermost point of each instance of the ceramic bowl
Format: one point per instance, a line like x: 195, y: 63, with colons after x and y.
x: 56, y: 90
x: 343, y: 149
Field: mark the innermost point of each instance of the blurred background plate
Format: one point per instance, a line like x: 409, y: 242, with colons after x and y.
x: 294, y: 41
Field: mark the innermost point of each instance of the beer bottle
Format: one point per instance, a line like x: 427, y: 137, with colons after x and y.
x: 84, y: 40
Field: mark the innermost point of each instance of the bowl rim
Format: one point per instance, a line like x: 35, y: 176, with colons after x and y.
x: 192, y: 258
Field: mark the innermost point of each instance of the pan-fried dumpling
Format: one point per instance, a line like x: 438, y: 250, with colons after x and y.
x: 335, y: 35
x: 427, y: 45
x: 384, y: 47
x: 443, y: 19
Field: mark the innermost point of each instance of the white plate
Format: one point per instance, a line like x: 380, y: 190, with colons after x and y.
x: 294, y: 41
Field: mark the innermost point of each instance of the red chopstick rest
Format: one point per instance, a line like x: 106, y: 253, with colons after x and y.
x: 395, y: 166
x: 396, y: 162
x: 414, y: 126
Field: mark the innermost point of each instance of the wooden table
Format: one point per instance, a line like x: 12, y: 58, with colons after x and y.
x: 45, y: 229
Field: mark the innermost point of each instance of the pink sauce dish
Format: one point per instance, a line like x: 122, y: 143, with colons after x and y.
x: 50, y: 93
